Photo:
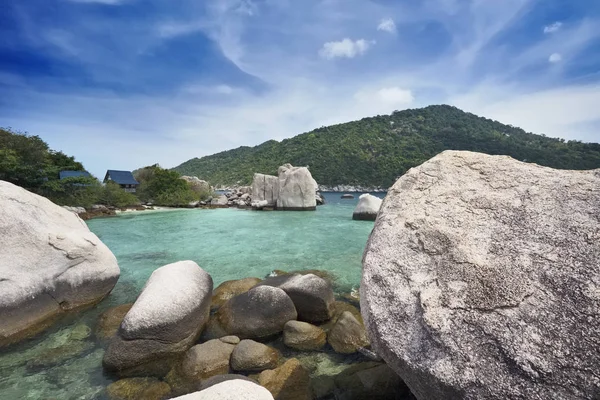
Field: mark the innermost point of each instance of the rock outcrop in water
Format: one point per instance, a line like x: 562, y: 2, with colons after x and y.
x: 367, y: 207
x: 234, y: 389
x: 481, y: 280
x: 50, y: 263
x: 294, y: 189
x: 297, y: 189
x: 166, y: 319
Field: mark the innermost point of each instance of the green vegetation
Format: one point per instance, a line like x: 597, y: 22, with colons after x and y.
x: 376, y: 151
x: 165, y: 187
x: 27, y: 161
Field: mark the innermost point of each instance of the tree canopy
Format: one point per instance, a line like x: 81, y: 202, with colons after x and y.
x: 376, y: 151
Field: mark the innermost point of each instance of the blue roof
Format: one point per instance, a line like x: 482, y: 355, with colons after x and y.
x: 73, y: 174
x: 121, y: 177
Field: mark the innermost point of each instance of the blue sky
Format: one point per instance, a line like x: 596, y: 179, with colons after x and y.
x: 126, y: 83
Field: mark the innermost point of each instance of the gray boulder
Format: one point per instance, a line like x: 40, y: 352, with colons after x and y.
x: 50, y: 263
x: 367, y: 207
x: 348, y: 334
x: 313, y: 296
x: 265, y: 187
x: 260, y: 312
x: 481, y: 280
x: 235, y: 389
x: 197, y: 184
x: 297, y: 189
x: 303, y: 336
x: 165, y: 320
x: 207, y: 359
x: 219, y: 201
x: 251, y: 356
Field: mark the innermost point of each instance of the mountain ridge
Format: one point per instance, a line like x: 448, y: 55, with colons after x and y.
x: 375, y: 151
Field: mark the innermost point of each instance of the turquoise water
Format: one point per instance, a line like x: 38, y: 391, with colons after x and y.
x: 228, y: 243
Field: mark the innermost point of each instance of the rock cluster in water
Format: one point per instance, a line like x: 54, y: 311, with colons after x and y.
x: 481, y: 280
x: 50, y: 263
x: 159, y: 335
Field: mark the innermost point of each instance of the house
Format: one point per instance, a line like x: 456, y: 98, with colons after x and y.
x: 124, y: 179
x: 73, y: 174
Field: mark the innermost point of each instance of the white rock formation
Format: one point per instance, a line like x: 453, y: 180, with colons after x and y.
x: 481, y: 280
x: 265, y: 188
x: 297, y: 189
x: 197, y: 184
x: 235, y: 389
x: 50, y: 262
x: 367, y: 207
x: 165, y: 320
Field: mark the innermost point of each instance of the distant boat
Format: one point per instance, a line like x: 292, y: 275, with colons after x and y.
x: 347, y: 196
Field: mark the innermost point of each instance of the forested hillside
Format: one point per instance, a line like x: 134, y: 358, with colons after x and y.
x: 376, y: 151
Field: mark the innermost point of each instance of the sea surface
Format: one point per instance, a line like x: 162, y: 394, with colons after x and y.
x: 65, y: 362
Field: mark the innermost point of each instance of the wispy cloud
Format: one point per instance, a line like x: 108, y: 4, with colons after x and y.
x: 555, y: 27
x: 109, y: 2
x: 177, y: 80
x: 345, y: 48
x: 387, y: 25
x: 555, y: 58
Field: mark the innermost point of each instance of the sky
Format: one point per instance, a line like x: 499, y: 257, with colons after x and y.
x: 122, y: 84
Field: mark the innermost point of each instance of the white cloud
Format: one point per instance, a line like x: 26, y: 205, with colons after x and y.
x: 174, y: 29
x: 387, y: 25
x: 555, y: 58
x: 345, y: 48
x: 555, y: 27
x: 387, y: 95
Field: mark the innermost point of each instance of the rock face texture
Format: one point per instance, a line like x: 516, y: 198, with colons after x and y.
x: 303, y: 336
x: 258, y: 313
x: 347, y: 335
x: 297, y: 189
x: 206, y: 360
x: 265, y: 187
x: 229, y: 289
x: 165, y: 320
x: 50, y: 263
x: 197, y: 184
x: 367, y: 207
x: 481, y: 280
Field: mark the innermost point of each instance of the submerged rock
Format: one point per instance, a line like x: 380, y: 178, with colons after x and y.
x: 366, y: 381
x: 165, y: 320
x: 297, y: 189
x: 50, y: 263
x: 110, y: 320
x: 367, y: 207
x: 481, y: 280
x: 288, y: 382
x: 138, y: 389
x: 258, y: 313
x: 229, y: 289
x: 303, y: 336
x: 347, y: 196
x: 251, y: 356
x: 312, y: 296
x: 59, y: 355
x: 235, y: 389
x: 347, y: 334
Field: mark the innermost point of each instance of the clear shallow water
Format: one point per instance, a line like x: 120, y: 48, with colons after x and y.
x: 228, y: 243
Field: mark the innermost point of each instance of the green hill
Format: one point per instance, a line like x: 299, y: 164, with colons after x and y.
x: 376, y: 151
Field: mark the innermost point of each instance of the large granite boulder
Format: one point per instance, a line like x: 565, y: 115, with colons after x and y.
x: 481, y: 280
x: 165, y: 320
x: 367, y: 207
x: 265, y: 188
x: 312, y: 295
x: 50, y: 263
x: 219, y: 201
x: 297, y: 189
x: 259, y: 313
x: 236, y: 389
